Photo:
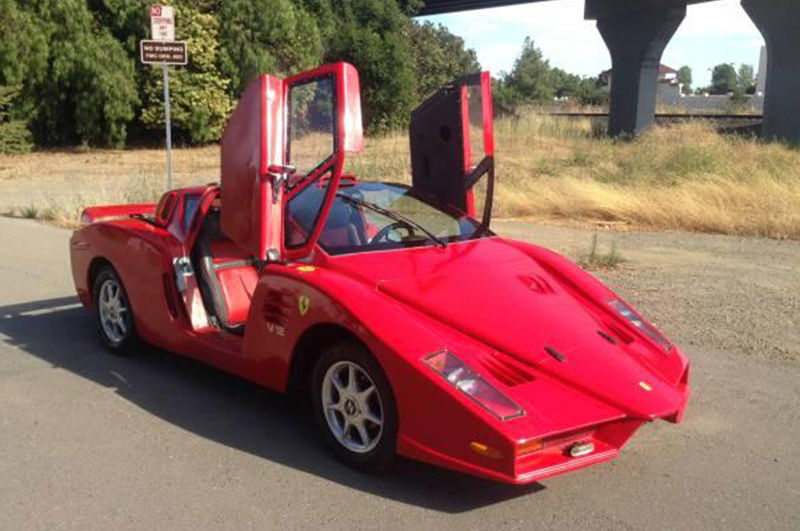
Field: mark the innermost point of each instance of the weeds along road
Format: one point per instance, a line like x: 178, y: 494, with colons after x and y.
x: 92, y: 441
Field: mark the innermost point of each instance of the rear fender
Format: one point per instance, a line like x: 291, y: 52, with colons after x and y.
x: 141, y: 254
x: 103, y: 213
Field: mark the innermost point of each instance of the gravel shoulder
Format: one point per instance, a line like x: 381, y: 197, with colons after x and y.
x: 729, y: 293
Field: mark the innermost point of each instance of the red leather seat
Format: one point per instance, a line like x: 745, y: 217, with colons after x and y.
x: 227, y: 274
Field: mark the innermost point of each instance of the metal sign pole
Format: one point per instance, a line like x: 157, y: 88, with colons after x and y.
x: 168, y: 126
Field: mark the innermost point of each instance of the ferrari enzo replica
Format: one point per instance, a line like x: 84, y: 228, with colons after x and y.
x: 411, y: 327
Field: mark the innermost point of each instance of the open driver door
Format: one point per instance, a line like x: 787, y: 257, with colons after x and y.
x: 286, y: 135
x: 452, y: 146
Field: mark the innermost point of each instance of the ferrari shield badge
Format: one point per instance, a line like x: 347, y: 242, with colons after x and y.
x: 303, y: 304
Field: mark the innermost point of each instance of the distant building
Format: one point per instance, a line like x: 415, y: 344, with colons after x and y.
x: 670, y: 92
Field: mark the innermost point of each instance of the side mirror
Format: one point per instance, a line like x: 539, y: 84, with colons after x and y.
x: 165, y: 209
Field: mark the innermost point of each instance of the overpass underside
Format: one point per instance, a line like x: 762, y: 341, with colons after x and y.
x: 636, y: 33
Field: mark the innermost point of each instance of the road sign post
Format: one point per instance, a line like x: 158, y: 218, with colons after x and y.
x: 164, y: 50
x: 168, y: 126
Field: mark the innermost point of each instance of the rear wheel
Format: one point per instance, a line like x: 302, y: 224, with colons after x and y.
x: 113, y: 312
x: 354, y: 406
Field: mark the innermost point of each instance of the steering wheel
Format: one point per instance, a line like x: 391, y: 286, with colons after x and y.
x: 383, y: 234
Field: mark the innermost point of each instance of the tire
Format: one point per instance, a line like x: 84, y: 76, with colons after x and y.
x: 113, y: 312
x: 347, y: 417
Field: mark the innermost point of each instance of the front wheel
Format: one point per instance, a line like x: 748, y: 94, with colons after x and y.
x: 354, y: 406
x: 113, y: 312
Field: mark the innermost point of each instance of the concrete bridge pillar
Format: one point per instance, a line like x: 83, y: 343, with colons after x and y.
x: 636, y: 38
x: 779, y: 22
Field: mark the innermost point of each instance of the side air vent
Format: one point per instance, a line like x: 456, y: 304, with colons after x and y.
x: 608, y: 337
x: 623, y: 336
x: 505, y: 370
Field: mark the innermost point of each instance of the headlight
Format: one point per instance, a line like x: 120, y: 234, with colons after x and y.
x: 473, y: 385
x: 638, y: 321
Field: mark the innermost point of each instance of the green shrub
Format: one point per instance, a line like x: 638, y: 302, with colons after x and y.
x: 14, y: 134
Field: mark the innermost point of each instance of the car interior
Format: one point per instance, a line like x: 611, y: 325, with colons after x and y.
x: 226, y: 274
x: 345, y: 227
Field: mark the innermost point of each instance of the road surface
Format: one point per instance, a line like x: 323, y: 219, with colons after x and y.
x: 91, y: 441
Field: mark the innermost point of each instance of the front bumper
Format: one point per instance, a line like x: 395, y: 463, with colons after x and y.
x: 552, y: 459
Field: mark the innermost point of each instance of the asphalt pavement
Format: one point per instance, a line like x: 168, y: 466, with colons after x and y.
x: 92, y: 441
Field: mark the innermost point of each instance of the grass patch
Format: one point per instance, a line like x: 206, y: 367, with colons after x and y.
x: 29, y: 212
x: 597, y: 259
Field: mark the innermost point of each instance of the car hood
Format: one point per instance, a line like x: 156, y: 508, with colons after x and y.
x: 500, y: 296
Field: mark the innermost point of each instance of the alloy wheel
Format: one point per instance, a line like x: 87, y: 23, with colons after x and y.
x: 352, y: 407
x: 113, y: 311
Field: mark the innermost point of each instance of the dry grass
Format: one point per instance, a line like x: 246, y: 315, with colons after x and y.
x: 56, y: 186
x: 685, y: 177
x: 682, y: 177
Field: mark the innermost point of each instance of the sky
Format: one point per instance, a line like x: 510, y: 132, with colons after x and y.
x: 712, y: 33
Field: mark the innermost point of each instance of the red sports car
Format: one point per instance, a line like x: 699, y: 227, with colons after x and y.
x: 412, y: 327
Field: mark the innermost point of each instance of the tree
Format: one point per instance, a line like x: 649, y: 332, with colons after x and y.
x: 373, y: 35
x: 531, y: 80
x: 14, y: 134
x: 565, y: 84
x: 77, y: 82
x: 589, y: 92
x: 24, y: 49
x: 266, y: 36
x: 439, y: 57
x: 685, y: 79
x: 746, y: 79
x: 199, y: 100
x: 724, y: 79
x: 582, y: 90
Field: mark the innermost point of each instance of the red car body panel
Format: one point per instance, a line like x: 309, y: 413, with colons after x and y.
x: 99, y: 213
x: 503, y: 307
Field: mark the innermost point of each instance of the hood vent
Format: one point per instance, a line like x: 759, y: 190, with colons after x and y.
x: 537, y: 284
x: 506, y: 371
x: 555, y: 354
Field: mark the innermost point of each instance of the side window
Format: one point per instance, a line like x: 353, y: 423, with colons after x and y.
x: 477, y: 149
x: 190, y: 204
x: 303, y: 212
x: 311, y: 144
x: 311, y: 135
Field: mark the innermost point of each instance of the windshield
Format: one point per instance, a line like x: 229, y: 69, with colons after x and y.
x: 377, y: 216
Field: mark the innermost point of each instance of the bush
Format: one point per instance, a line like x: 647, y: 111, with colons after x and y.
x: 266, y: 36
x: 200, y: 104
x: 14, y: 134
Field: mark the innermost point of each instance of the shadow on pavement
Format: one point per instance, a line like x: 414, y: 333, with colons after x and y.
x: 228, y: 410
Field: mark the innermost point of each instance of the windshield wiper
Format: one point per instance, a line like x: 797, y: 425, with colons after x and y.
x: 392, y: 215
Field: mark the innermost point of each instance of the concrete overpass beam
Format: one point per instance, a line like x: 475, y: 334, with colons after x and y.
x: 779, y: 22
x: 636, y: 39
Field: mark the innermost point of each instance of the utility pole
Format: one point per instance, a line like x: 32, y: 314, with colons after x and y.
x: 168, y: 126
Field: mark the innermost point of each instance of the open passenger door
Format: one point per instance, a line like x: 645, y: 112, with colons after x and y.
x: 452, y: 145
x: 286, y: 135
